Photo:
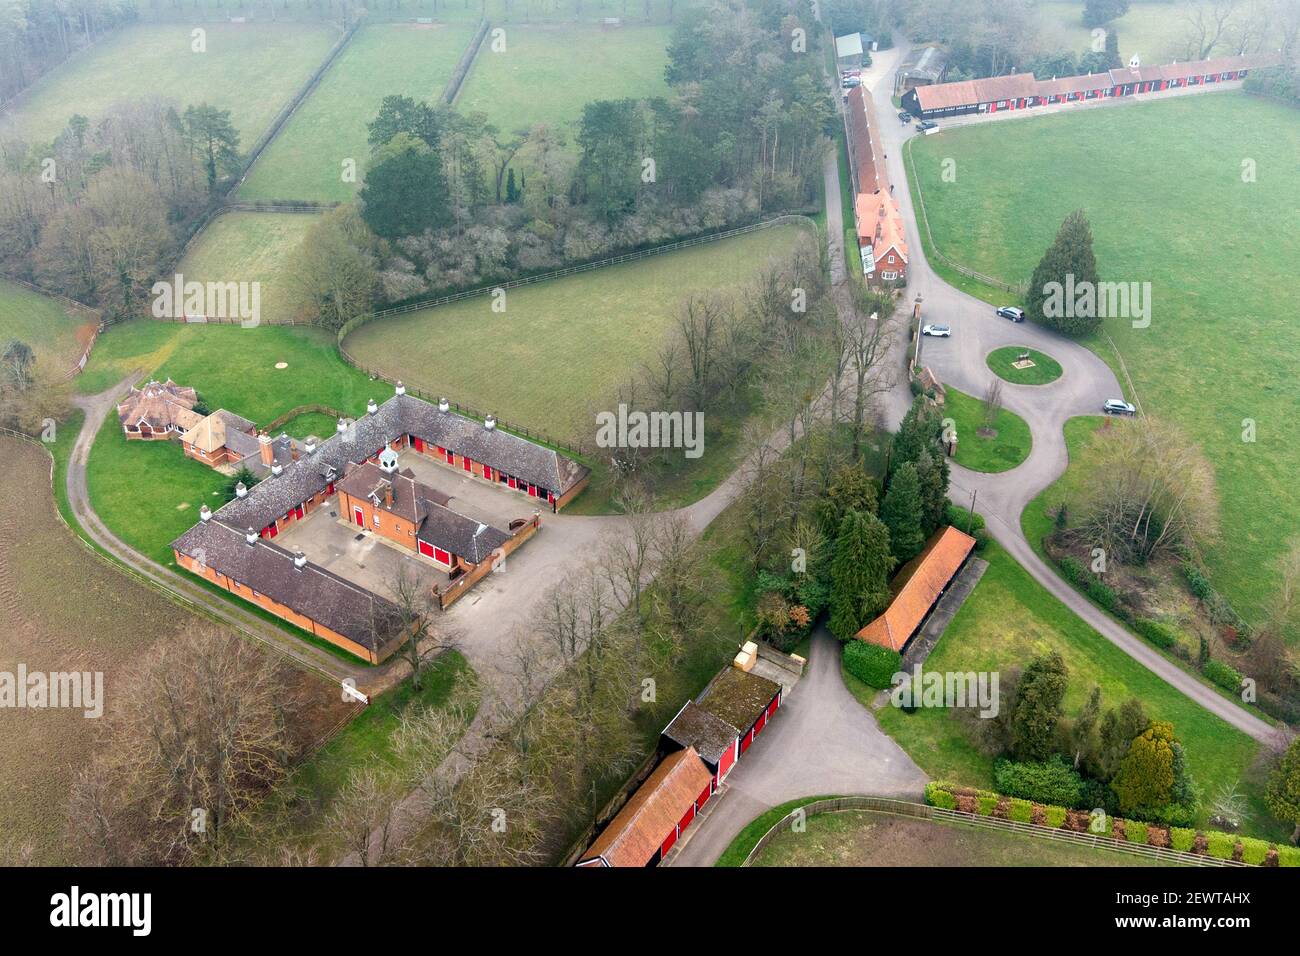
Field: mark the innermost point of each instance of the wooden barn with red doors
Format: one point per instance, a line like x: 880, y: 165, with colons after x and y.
x: 742, y: 700
x: 655, y: 817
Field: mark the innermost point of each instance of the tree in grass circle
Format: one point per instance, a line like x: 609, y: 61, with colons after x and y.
x: 1062, y: 292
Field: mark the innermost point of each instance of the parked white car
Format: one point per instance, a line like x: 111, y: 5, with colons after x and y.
x: 1117, y: 406
x: 938, y: 331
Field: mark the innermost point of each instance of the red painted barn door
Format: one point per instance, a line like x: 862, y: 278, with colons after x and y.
x: 419, y: 444
x: 467, y: 463
x: 425, y: 548
x: 359, y: 516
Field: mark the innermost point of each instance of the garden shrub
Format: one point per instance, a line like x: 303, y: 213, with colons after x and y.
x: 1022, y: 811
x: 1288, y: 855
x: 1197, y: 582
x: 985, y: 804
x: 1073, y: 570
x: 959, y: 517
x: 1135, y: 832
x: 1157, y: 632
x: 872, y: 664
x: 1053, y: 781
x: 1220, y: 845
x: 1055, y: 816
x: 937, y: 795
x: 1253, y: 851
x: 1182, y: 838
x: 1221, y: 675
x: 1102, y: 593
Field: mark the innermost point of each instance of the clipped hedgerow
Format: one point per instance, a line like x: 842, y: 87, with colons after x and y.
x: 1221, y: 675
x: 1022, y: 811
x: 1220, y: 845
x: 1157, y: 632
x: 1135, y: 832
x: 1253, y: 851
x: 1055, y: 816
x: 1288, y: 855
x: 872, y: 664
x: 985, y: 804
x: 1182, y: 838
x: 937, y: 795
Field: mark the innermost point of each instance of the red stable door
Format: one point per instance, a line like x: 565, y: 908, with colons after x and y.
x: 467, y: 463
x: 359, y: 516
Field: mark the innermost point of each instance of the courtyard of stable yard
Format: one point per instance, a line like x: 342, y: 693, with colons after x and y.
x: 63, y: 609
x: 335, y: 542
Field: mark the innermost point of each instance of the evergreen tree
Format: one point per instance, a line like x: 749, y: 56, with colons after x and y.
x: 1283, y: 793
x: 1062, y: 292
x: 1038, y: 707
x: 1145, y: 778
x: 859, y: 574
x: 851, y: 489
x: 1083, y: 729
x: 903, y: 515
x: 920, y: 430
x: 214, y: 137
x: 1118, y: 728
x: 405, y: 191
x: 512, y: 192
x: 932, y: 470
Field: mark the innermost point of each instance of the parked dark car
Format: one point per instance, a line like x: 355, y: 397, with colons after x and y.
x: 925, y: 125
x: 1012, y: 313
x: 904, y: 116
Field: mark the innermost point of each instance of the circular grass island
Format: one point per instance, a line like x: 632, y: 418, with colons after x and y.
x: 1044, y: 370
x: 1000, y: 446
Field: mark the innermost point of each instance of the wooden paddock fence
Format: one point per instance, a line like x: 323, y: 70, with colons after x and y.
x: 923, y: 811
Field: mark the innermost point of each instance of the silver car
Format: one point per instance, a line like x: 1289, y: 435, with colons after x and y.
x: 1117, y: 406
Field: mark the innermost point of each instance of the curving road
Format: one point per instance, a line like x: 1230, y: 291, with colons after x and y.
x: 1087, y: 382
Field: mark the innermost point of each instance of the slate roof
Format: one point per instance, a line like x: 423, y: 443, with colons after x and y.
x: 411, y: 499
x: 1064, y: 85
x: 337, y: 603
x: 737, y: 697
x: 634, y: 836
x: 917, y: 586
x: 516, y: 456
x: 472, y: 540
x: 710, y: 735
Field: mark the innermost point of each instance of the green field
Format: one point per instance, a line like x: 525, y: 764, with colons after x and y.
x: 253, y: 70
x: 1153, y: 31
x: 1008, y: 620
x: 252, y: 247
x: 861, y: 838
x: 1003, y: 450
x: 1071, y: 489
x: 561, y: 348
x: 546, y: 74
x: 1221, y: 347
x: 49, y: 327
x: 305, y: 161
x: 1002, y: 362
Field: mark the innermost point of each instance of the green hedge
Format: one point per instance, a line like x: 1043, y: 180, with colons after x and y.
x: 1022, y: 811
x: 1135, y: 832
x: 1053, y: 782
x: 1055, y: 817
x: 1157, y: 632
x: 875, y: 666
x: 1254, y: 851
x: 937, y: 796
x: 1288, y: 856
x: 1221, y: 845
x: 1182, y: 838
x: 1221, y: 675
x: 985, y: 804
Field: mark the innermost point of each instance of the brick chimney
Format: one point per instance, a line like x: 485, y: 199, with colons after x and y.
x: 388, y: 496
x: 268, y: 453
x: 293, y: 446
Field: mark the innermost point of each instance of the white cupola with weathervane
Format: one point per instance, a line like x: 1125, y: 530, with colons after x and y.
x: 388, y: 461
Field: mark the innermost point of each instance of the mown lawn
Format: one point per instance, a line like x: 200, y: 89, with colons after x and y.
x: 234, y: 367
x: 560, y: 349
x: 51, y: 329
x: 252, y: 247
x: 546, y: 74
x: 1002, y: 362
x: 306, y: 159
x: 1003, y: 450
x: 1008, y: 620
x: 1073, y: 487
x: 1221, y: 348
x: 862, y: 838
x: 253, y: 70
